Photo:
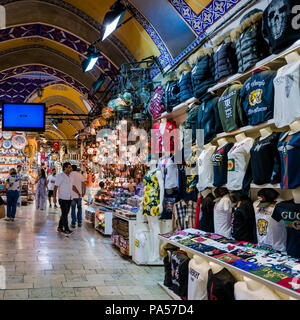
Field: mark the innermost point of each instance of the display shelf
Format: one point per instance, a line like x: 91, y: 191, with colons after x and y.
x: 262, y: 186
x: 273, y: 61
x: 169, y: 292
x: 228, y: 266
x: 177, y: 111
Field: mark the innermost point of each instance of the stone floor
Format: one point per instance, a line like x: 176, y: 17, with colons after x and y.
x: 39, y: 263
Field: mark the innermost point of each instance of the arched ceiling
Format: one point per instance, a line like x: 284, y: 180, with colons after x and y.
x: 45, y: 41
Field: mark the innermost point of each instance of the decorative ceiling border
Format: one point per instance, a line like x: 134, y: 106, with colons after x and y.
x: 95, y: 24
x: 207, y: 17
x: 57, y: 35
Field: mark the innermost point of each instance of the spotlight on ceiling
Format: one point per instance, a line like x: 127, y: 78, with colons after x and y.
x: 113, y: 18
x: 96, y: 86
x: 92, y: 58
x: 54, y: 123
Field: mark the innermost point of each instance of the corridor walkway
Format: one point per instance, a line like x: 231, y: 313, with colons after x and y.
x: 39, y: 263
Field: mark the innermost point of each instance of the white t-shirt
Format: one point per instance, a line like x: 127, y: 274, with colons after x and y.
x: 222, y: 217
x: 64, y: 184
x: 77, y: 179
x: 270, y: 233
x: 170, y: 172
x: 51, y: 182
x: 286, y: 94
x: 197, y: 282
x: 205, y: 169
x: 238, y: 159
x: 242, y: 292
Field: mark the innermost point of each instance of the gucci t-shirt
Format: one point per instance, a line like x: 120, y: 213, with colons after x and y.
x: 289, y: 212
x: 270, y: 233
x: 220, y: 164
x: 238, y: 158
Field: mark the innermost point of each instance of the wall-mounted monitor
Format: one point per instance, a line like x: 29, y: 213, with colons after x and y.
x: 30, y: 117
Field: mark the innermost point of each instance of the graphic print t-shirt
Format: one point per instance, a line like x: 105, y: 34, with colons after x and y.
x: 289, y: 212
x: 270, y: 233
x: 220, y: 164
x: 197, y: 285
x: 13, y: 183
x: 238, y: 158
x: 286, y: 94
x: 289, y: 150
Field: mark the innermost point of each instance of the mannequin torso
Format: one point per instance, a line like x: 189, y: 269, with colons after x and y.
x: 265, y: 132
x: 222, y: 142
x: 292, y: 57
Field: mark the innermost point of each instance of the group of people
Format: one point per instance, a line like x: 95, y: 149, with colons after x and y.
x: 68, y: 187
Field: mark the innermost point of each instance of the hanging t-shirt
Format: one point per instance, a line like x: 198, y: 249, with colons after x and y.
x: 270, y: 233
x: 289, y: 212
x: 242, y: 292
x: 287, y: 92
x: 264, y: 165
x: 220, y: 164
x: 197, y: 284
x: 220, y: 286
x: 170, y: 172
x: 205, y: 169
x: 222, y: 217
x: 238, y: 158
x: 289, y: 150
x: 207, y: 214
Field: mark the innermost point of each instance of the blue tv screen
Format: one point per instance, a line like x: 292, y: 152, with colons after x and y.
x: 23, y: 117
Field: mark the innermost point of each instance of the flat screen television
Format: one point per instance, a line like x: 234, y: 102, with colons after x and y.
x: 28, y: 117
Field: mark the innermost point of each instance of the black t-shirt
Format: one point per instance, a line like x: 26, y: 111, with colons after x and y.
x: 243, y: 222
x: 220, y: 286
x: 207, y: 219
x: 180, y: 272
x: 220, y: 164
x: 264, y: 162
x: 289, y: 211
x: 280, y: 24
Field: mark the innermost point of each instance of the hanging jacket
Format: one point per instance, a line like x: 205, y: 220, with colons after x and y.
x: 191, y: 120
x: 243, y: 222
x: 281, y: 25
x: 171, y: 95
x: 250, y: 46
x: 230, y: 108
x: 203, y: 71
x: 257, y: 96
x: 185, y: 82
x: 225, y: 60
x: 156, y: 107
x: 208, y: 118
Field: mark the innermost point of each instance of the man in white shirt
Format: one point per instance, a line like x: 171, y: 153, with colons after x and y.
x: 50, y: 185
x: 78, y: 192
x: 64, y: 186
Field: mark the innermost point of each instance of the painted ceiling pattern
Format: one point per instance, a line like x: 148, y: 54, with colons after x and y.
x: 19, y: 82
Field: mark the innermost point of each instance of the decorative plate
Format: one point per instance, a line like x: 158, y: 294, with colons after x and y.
x: 7, y: 144
x: 19, y: 142
x: 7, y: 134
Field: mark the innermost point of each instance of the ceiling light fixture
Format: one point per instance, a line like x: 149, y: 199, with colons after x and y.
x: 113, y: 18
x: 54, y: 123
x: 91, y: 60
x: 97, y: 85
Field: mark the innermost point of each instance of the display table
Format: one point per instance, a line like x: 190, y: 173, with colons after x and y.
x: 276, y: 270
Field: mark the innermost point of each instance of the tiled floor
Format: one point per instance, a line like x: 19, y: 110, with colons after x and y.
x: 39, y: 263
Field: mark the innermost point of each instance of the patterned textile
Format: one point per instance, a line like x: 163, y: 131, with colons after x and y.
x: 14, y: 183
x: 41, y: 194
x: 151, y: 194
x: 184, y: 215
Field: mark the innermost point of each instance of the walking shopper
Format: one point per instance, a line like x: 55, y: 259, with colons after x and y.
x: 20, y: 173
x: 41, y: 191
x: 12, y: 186
x: 89, y: 185
x: 78, y: 192
x: 64, y: 186
x: 50, y: 185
